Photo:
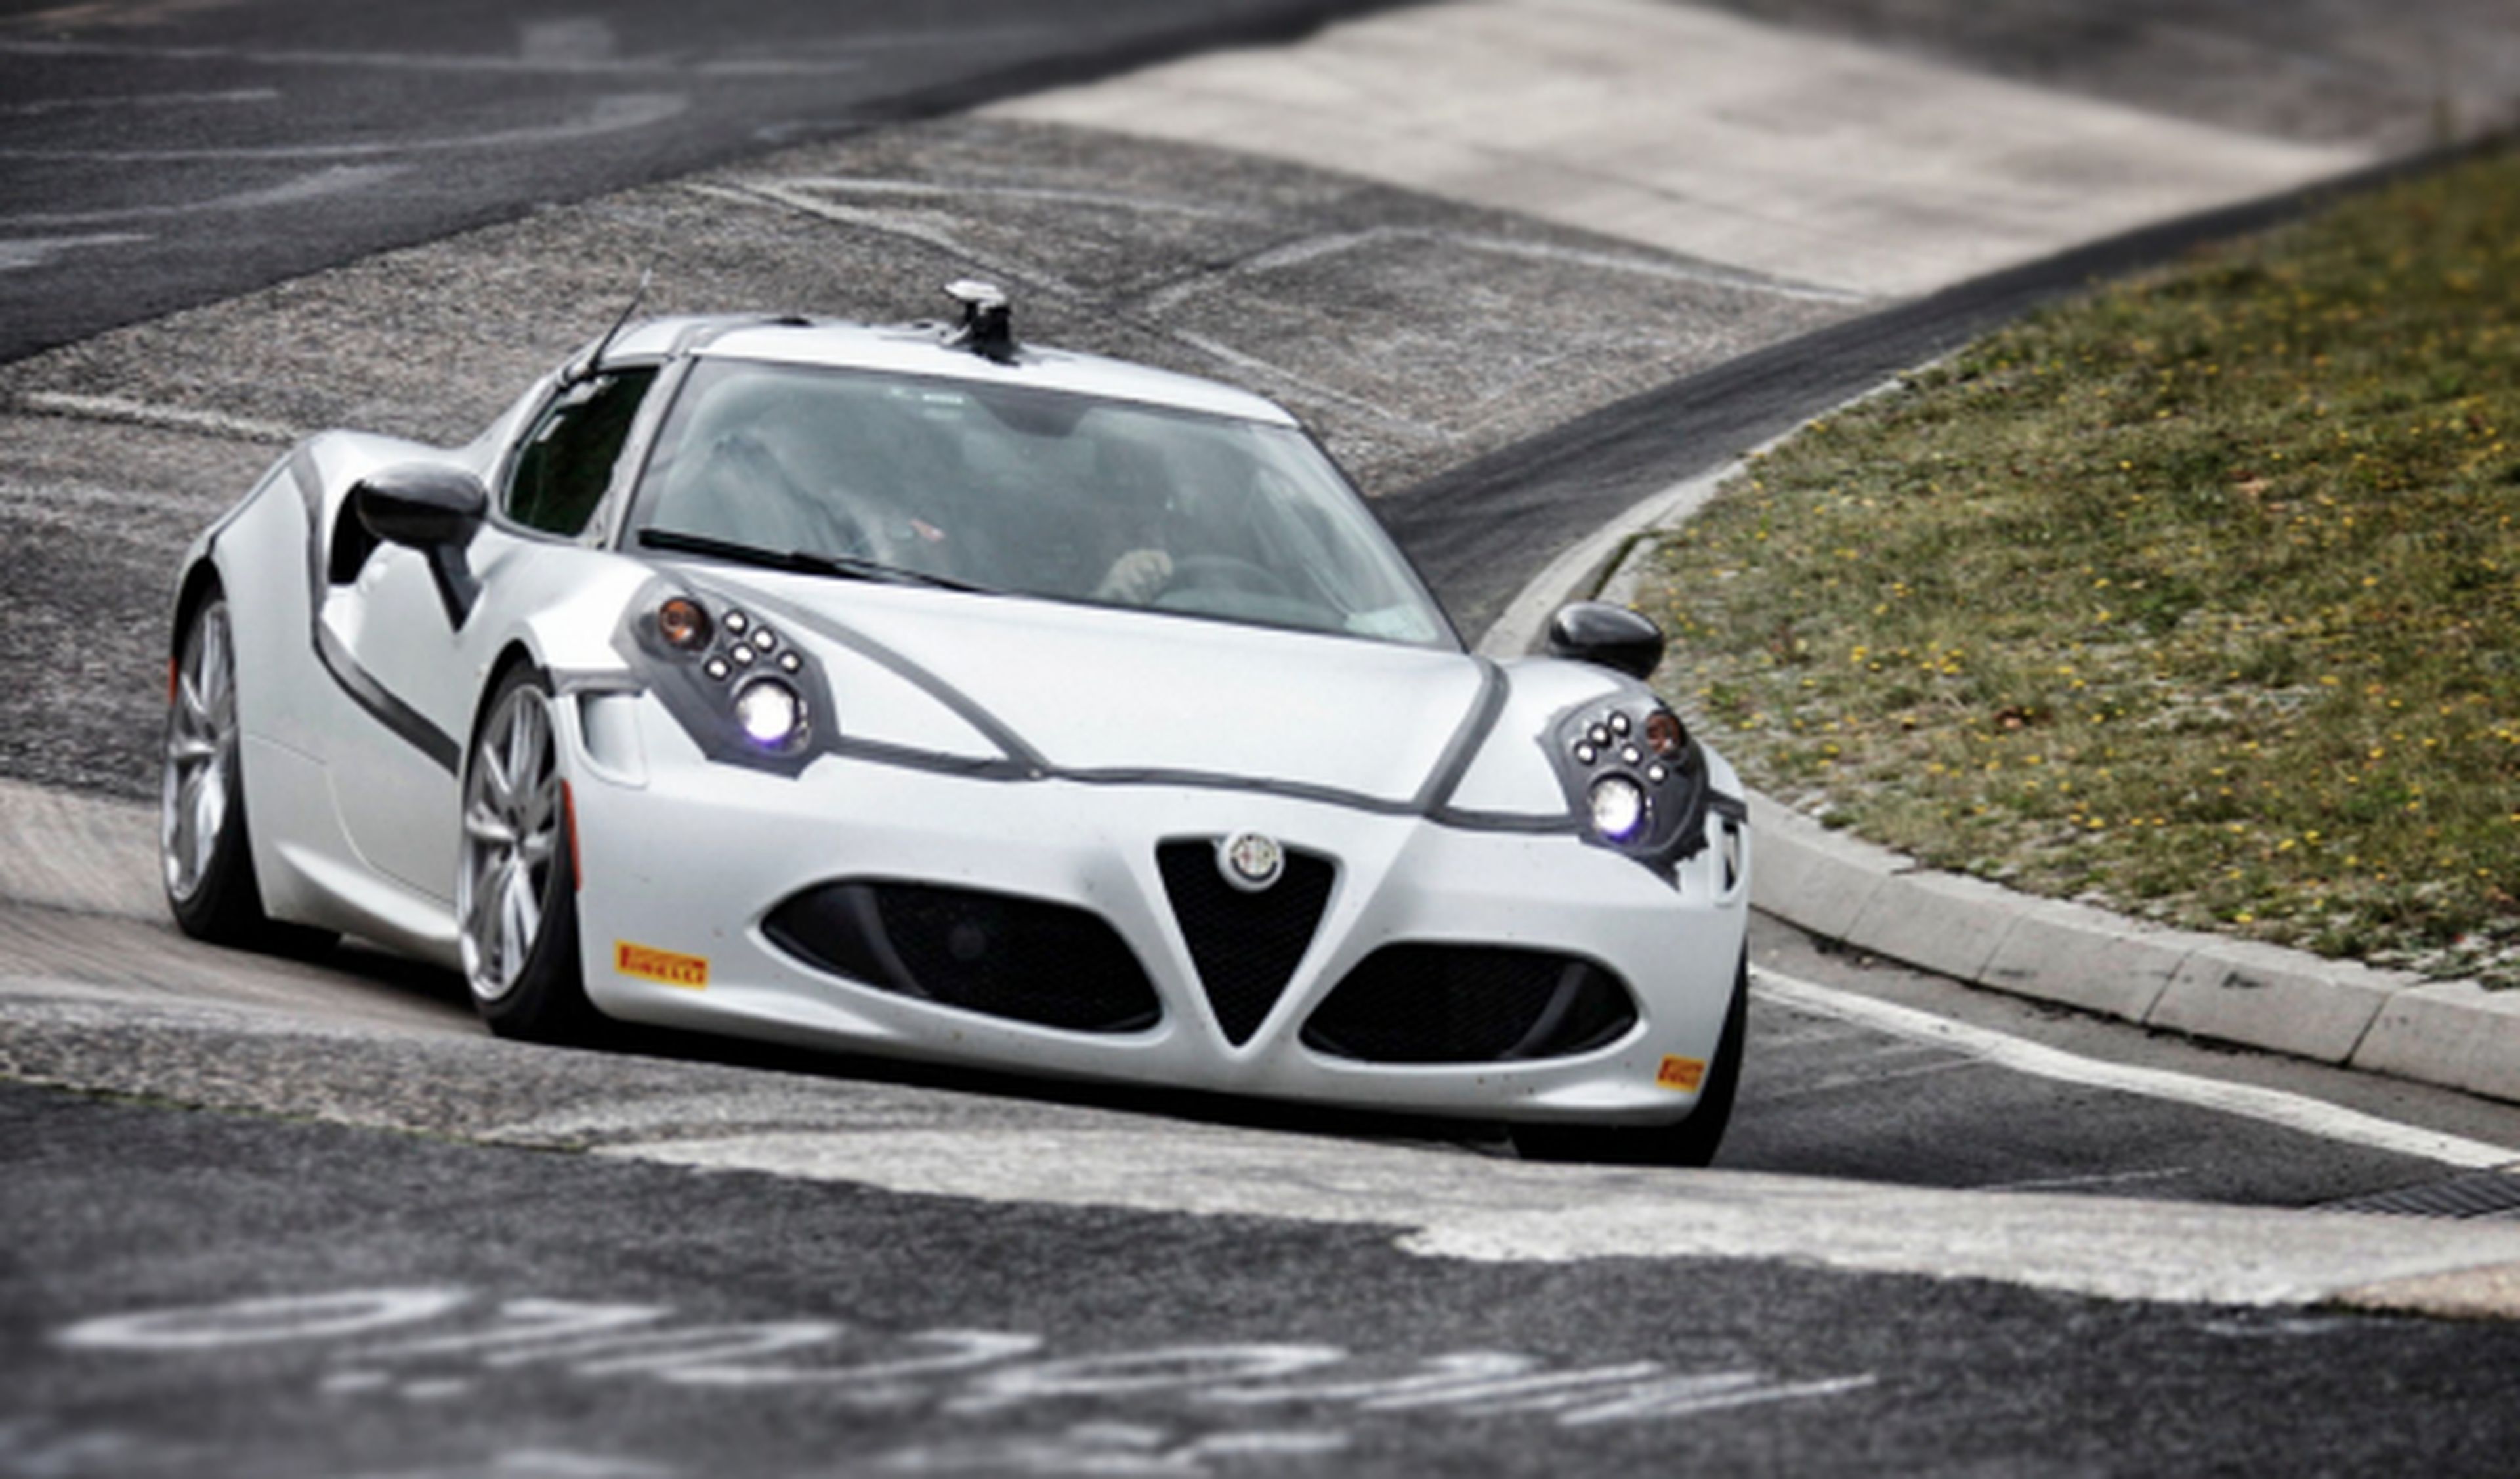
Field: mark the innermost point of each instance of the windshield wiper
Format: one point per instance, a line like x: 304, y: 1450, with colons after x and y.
x: 802, y: 561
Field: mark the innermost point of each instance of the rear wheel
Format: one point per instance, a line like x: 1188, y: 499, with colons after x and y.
x: 1692, y: 1141
x: 516, y: 886
x: 204, y: 854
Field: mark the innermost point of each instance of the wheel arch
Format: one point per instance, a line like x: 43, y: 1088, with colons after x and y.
x: 199, y: 580
x: 514, y: 653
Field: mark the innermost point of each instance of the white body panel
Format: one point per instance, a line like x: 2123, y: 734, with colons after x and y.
x: 1050, y: 749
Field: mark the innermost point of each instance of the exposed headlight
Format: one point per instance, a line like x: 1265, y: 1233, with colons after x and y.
x: 770, y: 714
x: 1618, y: 808
x: 1665, y: 733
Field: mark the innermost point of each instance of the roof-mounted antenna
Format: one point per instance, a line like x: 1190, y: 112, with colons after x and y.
x: 583, y: 367
x: 988, y: 320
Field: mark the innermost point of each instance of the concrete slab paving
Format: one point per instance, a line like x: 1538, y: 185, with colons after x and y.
x: 2451, y: 1032
x: 1947, y: 923
x: 86, y: 855
x: 1814, y: 159
x: 2242, y: 991
x: 2403, y: 74
x: 2081, y: 957
x: 1820, y: 881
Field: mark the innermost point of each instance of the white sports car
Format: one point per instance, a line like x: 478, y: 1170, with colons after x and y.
x: 912, y: 691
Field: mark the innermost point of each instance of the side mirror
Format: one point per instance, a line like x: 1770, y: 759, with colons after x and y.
x: 434, y: 510
x: 1612, y: 636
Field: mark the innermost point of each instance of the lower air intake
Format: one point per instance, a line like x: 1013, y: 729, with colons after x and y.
x: 1007, y: 956
x: 1451, y: 1003
x: 1245, y: 946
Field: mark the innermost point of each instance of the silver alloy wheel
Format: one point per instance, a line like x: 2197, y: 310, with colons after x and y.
x: 512, y: 835
x: 199, y: 780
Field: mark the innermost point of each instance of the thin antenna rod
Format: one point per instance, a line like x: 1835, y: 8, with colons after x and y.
x: 584, y: 369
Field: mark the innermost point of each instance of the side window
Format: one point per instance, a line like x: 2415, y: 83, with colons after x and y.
x: 567, y: 463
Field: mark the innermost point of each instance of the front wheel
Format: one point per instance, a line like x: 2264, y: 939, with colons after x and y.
x: 1690, y: 1143
x: 516, y: 886
x: 205, y: 854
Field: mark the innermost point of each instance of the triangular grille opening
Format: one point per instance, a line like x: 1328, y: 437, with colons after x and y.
x: 1245, y: 946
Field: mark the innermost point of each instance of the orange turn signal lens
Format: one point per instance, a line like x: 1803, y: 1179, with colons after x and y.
x: 683, y: 623
x: 1665, y: 733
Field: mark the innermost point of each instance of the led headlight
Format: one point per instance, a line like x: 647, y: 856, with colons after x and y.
x: 1665, y: 733
x: 770, y: 714
x: 1618, y: 808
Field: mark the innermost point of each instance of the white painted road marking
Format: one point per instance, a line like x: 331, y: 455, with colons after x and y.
x: 2271, y: 1106
x: 1448, y: 1205
x: 983, y: 1374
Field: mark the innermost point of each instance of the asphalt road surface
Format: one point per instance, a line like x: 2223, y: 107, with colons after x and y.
x: 273, y: 1217
x: 476, y: 1268
x: 154, y: 156
x: 334, y: 1301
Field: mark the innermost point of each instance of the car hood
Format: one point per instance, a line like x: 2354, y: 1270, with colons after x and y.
x: 1092, y: 689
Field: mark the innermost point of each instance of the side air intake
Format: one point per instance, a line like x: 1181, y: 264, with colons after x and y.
x: 1468, y: 1003
x: 1046, y: 964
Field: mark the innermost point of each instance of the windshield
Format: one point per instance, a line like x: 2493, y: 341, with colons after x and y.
x: 1030, y: 492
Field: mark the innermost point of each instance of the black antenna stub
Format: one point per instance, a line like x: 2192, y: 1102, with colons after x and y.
x: 988, y: 319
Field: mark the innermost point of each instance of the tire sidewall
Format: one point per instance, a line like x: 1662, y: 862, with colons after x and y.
x: 226, y: 902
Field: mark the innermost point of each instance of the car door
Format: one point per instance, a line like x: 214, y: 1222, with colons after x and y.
x: 427, y: 656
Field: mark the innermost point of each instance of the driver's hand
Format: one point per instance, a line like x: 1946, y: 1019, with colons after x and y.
x: 1136, y: 578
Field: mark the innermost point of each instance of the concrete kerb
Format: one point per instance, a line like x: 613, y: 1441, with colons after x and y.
x: 2454, y: 1033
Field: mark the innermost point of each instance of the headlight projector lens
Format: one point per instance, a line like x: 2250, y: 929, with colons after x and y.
x: 770, y: 714
x: 1618, y: 808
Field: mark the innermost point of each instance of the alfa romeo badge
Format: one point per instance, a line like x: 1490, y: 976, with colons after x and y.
x: 1250, y: 862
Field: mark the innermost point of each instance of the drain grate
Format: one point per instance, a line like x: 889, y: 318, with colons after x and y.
x: 2492, y: 1195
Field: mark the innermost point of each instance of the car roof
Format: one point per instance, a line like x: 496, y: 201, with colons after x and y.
x: 929, y: 351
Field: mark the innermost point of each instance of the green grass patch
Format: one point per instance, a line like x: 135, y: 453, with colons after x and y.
x: 2199, y: 597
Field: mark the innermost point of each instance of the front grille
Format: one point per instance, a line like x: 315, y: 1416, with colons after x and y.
x: 1008, y: 957
x: 1245, y: 946
x: 1453, y: 1003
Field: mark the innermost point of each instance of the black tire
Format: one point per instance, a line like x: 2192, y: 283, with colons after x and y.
x: 205, y: 850
x: 516, y: 888
x: 1692, y: 1141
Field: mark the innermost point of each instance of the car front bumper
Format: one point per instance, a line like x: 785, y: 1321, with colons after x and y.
x: 680, y: 862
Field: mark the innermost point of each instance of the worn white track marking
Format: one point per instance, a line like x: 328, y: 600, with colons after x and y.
x: 603, y: 116
x: 333, y: 179
x: 2272, y: 1106
x: 128, y: 412
x: 16, y: 253
x: 122, y: 102
x: 461, y: 62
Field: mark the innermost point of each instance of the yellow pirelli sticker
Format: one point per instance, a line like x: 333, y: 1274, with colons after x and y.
x: 649, y: 963
x: 1683, y: 1073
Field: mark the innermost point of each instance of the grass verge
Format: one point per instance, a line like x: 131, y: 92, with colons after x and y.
x: 2197, y: 598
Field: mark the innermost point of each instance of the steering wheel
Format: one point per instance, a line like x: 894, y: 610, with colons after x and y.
x: 1227, y: 573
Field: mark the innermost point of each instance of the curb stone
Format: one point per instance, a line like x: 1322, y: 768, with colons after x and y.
x: 2455, y: 1034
